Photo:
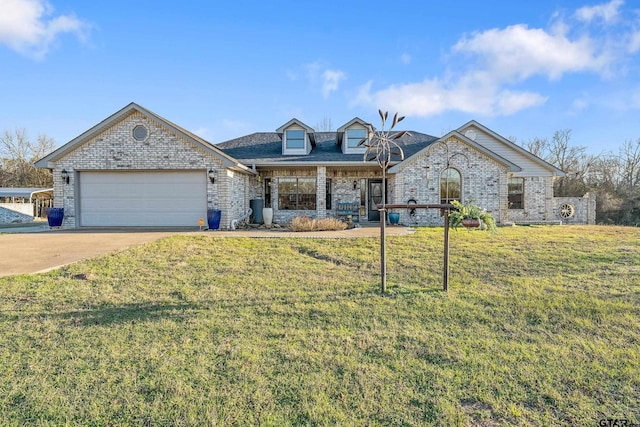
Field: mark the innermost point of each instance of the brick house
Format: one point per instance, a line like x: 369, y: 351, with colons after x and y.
x: 136, y: 168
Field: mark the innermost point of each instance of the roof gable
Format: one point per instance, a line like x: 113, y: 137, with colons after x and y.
x: 80, y: 140
x: 343, y: 131
x: 309, y: 137
x: 512, y: 166
x: 352, y: 122
x: 507, y: 149
x: 295, y: 121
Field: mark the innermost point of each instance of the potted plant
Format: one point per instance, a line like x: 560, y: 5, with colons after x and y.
x: 471, y: 216
x: 394, y: 218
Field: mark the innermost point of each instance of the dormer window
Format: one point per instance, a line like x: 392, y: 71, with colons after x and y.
x: 354, y: 136
x: 297, y: 138
x: 294, y: 139
x: 350, y: 134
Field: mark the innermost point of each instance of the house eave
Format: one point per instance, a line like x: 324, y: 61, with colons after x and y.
x: 360, y: 164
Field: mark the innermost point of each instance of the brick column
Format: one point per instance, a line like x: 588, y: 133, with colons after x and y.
x: 321, y: 192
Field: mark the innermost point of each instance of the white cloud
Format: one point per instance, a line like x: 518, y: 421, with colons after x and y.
x: 475, y: 93
x: 330, y: 81
x: 608, y: 12
x: 327, y: 79
x: 490, y: 67
x: 509, y: 102
x: 518, y: 52
x: 28, y: 27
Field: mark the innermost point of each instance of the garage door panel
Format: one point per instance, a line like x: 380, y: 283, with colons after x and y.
x: 151, y: 198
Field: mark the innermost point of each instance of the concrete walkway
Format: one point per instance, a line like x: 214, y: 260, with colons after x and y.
x: 37, y: 249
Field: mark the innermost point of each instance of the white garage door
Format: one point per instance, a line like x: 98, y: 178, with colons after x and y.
x: 158, y: 198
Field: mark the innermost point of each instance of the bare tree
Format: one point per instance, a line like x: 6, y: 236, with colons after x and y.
x: 615, y: 179
x: 326, y: 125
x: 629, y: 188
x: 571, y: 159
x: 630, y: 160
x: 17, y: 155
x: 537, y: 146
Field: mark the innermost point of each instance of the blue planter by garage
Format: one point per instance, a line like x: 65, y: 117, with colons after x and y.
x: 394, y: 218
x: 55, y: 216
x: 213, y: 218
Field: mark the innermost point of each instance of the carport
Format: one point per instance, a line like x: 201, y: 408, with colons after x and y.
x: 18, y: 198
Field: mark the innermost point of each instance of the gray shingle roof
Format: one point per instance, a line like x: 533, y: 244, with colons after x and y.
x: 266, y: 147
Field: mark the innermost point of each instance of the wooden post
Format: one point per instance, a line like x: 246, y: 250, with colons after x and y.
x: 445, y: 208
x: 445, y: 273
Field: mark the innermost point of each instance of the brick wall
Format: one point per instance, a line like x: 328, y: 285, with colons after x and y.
x: 584, y: 209
x: 484, y: 181
x: 538, y: 201
x: 115, y: 149
x: 238, y: 191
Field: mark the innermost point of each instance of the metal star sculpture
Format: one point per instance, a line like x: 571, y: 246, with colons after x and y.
x: 381, y: 145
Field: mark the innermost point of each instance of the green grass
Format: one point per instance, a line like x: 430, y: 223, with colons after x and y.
x: 541, y: 326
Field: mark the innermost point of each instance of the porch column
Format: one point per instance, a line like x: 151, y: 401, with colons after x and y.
x: 321, y: 192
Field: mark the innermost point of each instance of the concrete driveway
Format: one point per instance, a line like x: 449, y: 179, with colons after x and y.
x: 36, y: 252
x: 37, y: 249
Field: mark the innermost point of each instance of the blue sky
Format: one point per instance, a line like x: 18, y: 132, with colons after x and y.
x: 226, y: 69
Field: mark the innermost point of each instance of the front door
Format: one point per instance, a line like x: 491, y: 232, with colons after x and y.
x: 375, y: 199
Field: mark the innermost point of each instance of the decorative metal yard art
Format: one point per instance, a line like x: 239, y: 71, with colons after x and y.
x: 382, y: 148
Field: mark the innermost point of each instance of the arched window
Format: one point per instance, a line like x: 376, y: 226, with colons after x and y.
x: 450, y: 185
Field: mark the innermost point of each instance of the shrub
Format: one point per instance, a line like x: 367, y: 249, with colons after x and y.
x: 305, y: 223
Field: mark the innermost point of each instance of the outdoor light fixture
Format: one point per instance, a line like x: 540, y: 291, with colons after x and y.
x: 355, y: 185
x: 65, y: 175
x: 212, y: 176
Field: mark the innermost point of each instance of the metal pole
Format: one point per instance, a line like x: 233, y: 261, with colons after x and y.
x: 445, y: 278
x: 383, y: 220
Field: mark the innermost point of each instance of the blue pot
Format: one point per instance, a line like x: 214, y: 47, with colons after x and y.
x: 55, y: 216
x: 394, y: 218
x: 213, y: 218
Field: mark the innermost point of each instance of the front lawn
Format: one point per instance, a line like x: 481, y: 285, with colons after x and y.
x: 541, y: 326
